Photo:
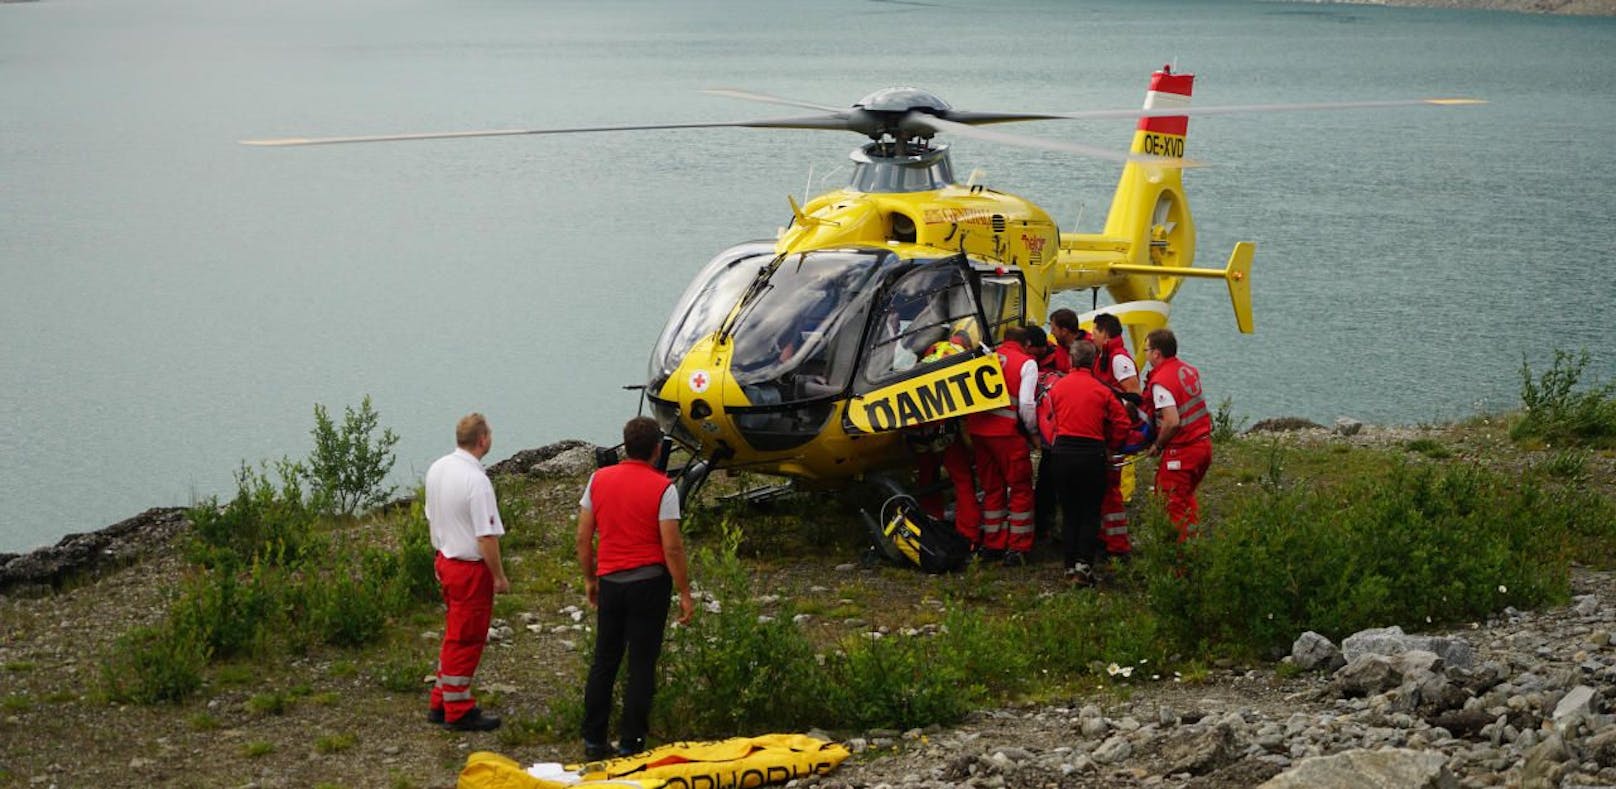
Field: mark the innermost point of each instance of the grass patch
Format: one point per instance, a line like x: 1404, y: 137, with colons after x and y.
x: 19, y: 666
x: 335, y: 743
x: 202, y: 721
x: 257, y: 748
x: 1430, y: 448
x: 269, y: 704
x: 16, y: 702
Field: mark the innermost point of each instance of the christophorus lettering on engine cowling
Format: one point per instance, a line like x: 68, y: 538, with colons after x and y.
x: 952, y: 391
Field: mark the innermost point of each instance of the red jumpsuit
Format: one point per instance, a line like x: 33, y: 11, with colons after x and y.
x: 944, y: 448
x: 1004, y: 461
x: 1188, y: 453
x: 1113, y: 508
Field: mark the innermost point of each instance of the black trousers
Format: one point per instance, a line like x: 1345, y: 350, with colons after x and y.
x: 632, y: 616
x: 1080, y: 477
x: 1045, y: 494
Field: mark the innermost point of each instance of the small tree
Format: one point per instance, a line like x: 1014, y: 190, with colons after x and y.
x: 349, y: 464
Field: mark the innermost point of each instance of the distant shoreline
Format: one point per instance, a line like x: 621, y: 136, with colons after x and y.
x: 1555, y: 7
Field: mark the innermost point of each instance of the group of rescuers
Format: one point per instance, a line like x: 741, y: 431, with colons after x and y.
x: 633, y: 558
x: 1076, y: 397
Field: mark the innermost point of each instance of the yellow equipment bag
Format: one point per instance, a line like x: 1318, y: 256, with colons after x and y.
x: 736, y: 763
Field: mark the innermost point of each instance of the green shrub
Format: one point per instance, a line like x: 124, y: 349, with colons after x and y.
x: 897, y: 682
x: 1225, y: 425
x: 265, y: 522
x: 349, y: 463
x: 343, y: 608
x: 729, y: 671
x: 1556, y: 412
x: 1402, y: 545
x: 335, y: 743
x: 269, y: 704
x: 1567, y: 464
x: 234, y: 613
x: 1430, y: 448
x: 153, y: 664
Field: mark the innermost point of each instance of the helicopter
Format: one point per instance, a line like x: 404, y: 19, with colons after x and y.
x: 808, y: 355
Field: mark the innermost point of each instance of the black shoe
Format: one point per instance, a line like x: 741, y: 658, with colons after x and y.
x: 990, y: 554
x: 434, y: 717
x: 1015, y: 559
x: 630, y: 747
x: 596, y: 751
x: 475, y: 720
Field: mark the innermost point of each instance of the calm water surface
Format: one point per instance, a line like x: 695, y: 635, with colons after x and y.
x: 172, y: 303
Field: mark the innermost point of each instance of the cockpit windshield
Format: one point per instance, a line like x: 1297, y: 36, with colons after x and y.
x: 797, y: 338
x: 707, y: 302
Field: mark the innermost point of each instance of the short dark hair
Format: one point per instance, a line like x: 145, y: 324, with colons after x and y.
x: 1163, y: 340
x: 1034, y: 337
x: 1014, y: 334
x: 1109, y: 324
x: 641, y: 436
x: 1064, y: 318
x: 1083, y: 353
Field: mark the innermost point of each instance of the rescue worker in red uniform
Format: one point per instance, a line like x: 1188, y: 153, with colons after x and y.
x: 1090, y: 424
x: 939, y: 445
x: 1063, y: 331
x: 463, y: 518
x: 1114, y: 367
x: 1183, y: 430
x: 1003, y: 456
x: 634, y: 510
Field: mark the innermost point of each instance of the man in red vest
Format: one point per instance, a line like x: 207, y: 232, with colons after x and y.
x: 634, y: 510
x: 1114, y: 367
x: 463, y: 518
x: 1183, y: 429
x: 1004, y: 457
x: 1063, y: 331
x: 1090, y: 424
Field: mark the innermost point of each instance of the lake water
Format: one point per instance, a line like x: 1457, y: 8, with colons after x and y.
x: 173, y: 303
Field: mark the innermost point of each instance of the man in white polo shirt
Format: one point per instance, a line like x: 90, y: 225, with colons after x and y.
x: 465, y: 525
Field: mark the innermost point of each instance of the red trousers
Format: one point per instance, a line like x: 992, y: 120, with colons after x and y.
x: 1178, y: 473
x: 957, y: 459
x: 468, y: 591
x: 1005, y: 462
x: 1114, y: 515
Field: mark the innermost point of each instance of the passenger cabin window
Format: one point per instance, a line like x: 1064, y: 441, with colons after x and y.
x: 925, y: 311
x: 1003, y: 302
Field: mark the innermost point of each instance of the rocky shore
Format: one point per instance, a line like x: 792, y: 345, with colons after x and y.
x: 1562, y: 7
x: 1524, y: 699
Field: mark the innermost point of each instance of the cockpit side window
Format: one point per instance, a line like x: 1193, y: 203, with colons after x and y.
x: 927, y: 316
x: 1003, y: 302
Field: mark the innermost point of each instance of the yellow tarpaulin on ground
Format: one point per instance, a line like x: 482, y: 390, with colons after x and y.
x: 736, y: 763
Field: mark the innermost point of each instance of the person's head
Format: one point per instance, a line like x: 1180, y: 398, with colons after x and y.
x: 1083, y: 353
x: 642, y: 438
x: 1064, y: 327
x: 1160, y: 344
x: 1035, y: 341
x: 1107, y: 327
x: 473, y: 435
x: 1015, y: 334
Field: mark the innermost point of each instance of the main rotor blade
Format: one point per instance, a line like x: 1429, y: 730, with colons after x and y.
x: 747, y: 95
x: 1235, y: 109
x: 810, y: 122
x: 935, y: 124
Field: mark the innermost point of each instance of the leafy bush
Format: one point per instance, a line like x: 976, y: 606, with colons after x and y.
x: 729, y: 671
x: 264, y: 522
x: 231, y: 613
x: 349, y: 463
x: 1557, y: 413
x: 154, y: 664
x: 1402, y: 545
x: 1225, y: 425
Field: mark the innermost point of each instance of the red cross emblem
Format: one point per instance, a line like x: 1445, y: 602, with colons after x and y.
x: 699, y: 381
